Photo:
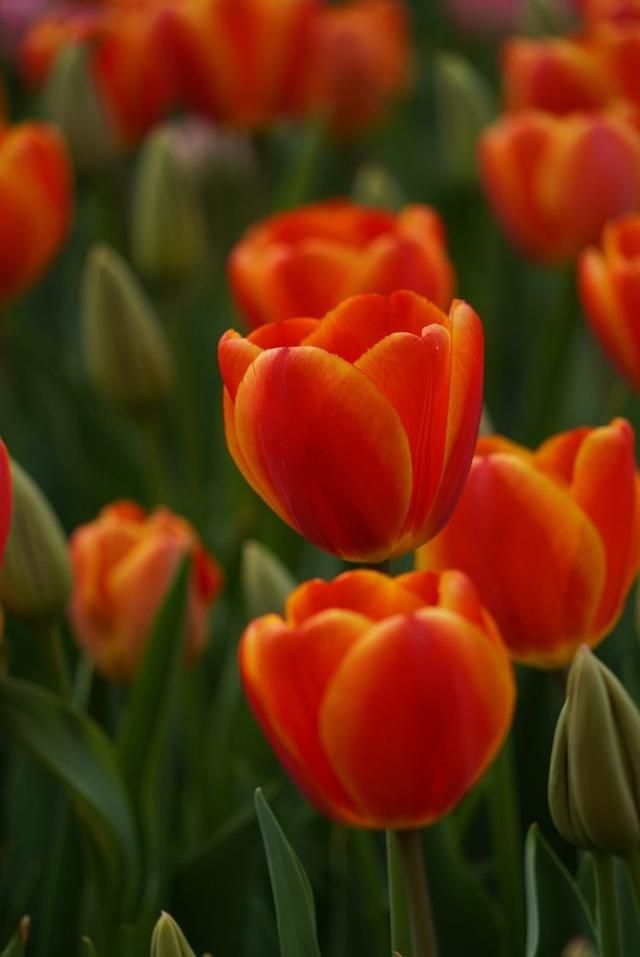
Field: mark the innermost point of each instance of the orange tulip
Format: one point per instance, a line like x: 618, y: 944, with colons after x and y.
x: 123, y: 564
x: 385, y: 699
x: 305, y: 262
x: 620, y: 46
x: 358, y: 429
x: 559, y: 75
x: 550, y: 538
x: 363, y: 58
x: 615, y: 11
x: 609, y: 282
x: 553, y: 181
x: 35, y: 203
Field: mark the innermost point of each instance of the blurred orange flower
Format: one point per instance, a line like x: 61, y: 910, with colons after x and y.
x: 35, y: 203
x: 123, y: 564
x: 305, y: 262
x: 358, y: 429
x: 553, y: 182
x: 550, y: 538
x: 411, y: 670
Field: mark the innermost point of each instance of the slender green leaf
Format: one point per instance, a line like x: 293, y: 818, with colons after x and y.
x: 295, y: 909
x: 266, y: 582
x: 17, y: 945
x: 144, y: 721
x: 556, y: 910
x: 78, y: 753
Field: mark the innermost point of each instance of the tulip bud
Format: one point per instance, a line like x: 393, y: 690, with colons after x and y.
x: 168, y: 940
x: 594, y: 780
x: 465, y: 104
x: 35, y: 578
x: 73, y: 103
x: 168, y: 231
x: 265, y: 581
x: 375, y: 186
x: 579, y: 948
x: 126, y: 353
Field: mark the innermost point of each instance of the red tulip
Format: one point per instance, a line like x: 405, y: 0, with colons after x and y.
x: 550, y: 538
x: 385, y: 699
x: 358, y: 429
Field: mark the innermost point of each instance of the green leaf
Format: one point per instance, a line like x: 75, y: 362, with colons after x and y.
x: 556, y: 910
x: 265, y: 581
x: 145, y: 720
x: 17, y: 944
x: 295, y: 909
x: 77, y: 752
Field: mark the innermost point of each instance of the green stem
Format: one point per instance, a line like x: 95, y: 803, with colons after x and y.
x: 632, y: 863
x: 55, y: 659
x: 607, y: 906
x: 399, y: 910
x: 507, y: 841
x: 422, y: 929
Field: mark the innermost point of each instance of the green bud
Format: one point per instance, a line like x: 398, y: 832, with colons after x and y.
x: 73, y: 103
x: 126, y: 352
x: 594, y: 779
x: 265, y: 581
x: 35, y: 578
x: 464, y: 104
x: 579, y: 948
x: 168, y: 238
x: 375, y: 186
x: 168, y: 940
x: 16, y: 946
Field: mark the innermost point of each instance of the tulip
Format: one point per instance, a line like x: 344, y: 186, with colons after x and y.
x: 123, y: 564
x: 409, y: 670
x: 539, y: 172
x: 168, y: 940
x: 358, y: 429
x: 609, y: 283
x: 551, y: 538
x: 614, y: 11
x: 305, y: 262
x: 35, y: 203
x: 594, y: 778
x: 558, y: 75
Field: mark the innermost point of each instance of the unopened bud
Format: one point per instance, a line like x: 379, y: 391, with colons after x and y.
x: 17, y: 945
x: 464, y: 104
x: 168, y: 237
x: 35, y: 577
x: 594, y: 780
x: 375, y: 186
x: 580, y: 948
x: 74, y: 104
x: 168, y: 940
x: 126, y: 352
x: 266, y: 582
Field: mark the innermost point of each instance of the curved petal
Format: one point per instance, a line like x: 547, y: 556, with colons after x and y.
x: 235, y: 355
x: 365, y: 592
x: 535, y: 557
x: 340, y: 466
x: 414, y: 714
x: 557, y: 456
x: 285, y: 674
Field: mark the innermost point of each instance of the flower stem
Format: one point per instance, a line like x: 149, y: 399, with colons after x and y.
x: 607, y: 906
x: 422, y: 929
x: 55, y: 659
x: 398, y: 899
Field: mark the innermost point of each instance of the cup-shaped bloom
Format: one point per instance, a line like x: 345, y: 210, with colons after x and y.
x: 539, y: 172
x: 385, y: 699
x: 551, y: 538
x: 609, y: 283
x: 306, y: 262
x: 123, y: 565
x: 558, y: 75
x: 358, y: 429
x: 35, y: 203
x: 610, y: 11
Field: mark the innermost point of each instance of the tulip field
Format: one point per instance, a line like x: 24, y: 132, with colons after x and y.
x: 319, y: 489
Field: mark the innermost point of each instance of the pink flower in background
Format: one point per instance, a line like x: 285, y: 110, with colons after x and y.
x: 16, y: 16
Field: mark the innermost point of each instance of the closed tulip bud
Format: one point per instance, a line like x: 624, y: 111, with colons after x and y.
x: 73, y: 103
x: 579, y: 948
x: 35, y: 577
x: 168, y: 237
x: 594, y: 779
x: 465, y: 105
x: 168, y: 940
x: 265, y: 581
x: 126, y: 353
x: 375, y: 186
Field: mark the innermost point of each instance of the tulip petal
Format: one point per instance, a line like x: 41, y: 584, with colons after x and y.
x: 557, y: 456
x: 605, y: 486
x: 437, y: 685
x: 340, y: 465
x: 235, y: 355
x: 289, y: 332
x: 535, y: 557
x: 285, y: 674
x: 368, y: 593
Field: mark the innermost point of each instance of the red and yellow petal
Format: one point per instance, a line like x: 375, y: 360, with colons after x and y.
x: 366, y: 592
x: 413, y: 716
x: 341, y: 466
